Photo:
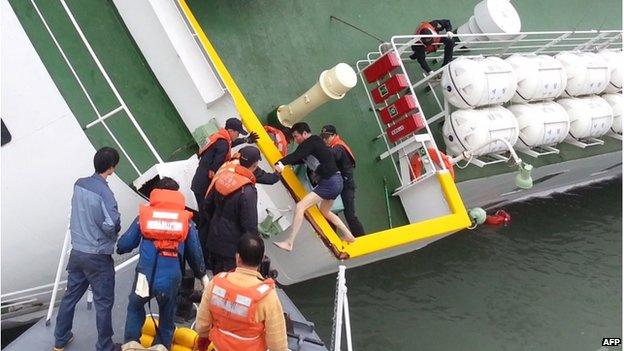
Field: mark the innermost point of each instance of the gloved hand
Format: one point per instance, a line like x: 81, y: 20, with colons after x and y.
x: 205, y: 280
x: 202, y: 344
x: 252, y: 138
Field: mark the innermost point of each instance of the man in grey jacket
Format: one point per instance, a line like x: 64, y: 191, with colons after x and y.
x: 94, y: 225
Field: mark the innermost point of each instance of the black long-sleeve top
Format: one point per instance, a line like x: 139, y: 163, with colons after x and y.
x: 441, y: 24
x: 316, y: 155
x: 419, y: 50
x: 263, y: 177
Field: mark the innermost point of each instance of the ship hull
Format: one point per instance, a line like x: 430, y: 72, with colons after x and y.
x: 496, y: 191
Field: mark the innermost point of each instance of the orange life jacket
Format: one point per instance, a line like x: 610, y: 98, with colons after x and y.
x: 165, y: 221
x: 337, y: 141
x: 278, y: 138
x: 430, y: 44
x: 222, y: 134
x: 231, y: 177
x: 233, y: 311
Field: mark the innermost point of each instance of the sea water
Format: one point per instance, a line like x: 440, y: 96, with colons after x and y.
x: 552, y: 280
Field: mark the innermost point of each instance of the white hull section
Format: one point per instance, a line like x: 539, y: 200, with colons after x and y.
x: 46, y: 155
x: 311, y: 258
x: 178, y: 63
x: 499, y: 190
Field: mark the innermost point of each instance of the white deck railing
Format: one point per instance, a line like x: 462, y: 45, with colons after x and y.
x: 478, y: 45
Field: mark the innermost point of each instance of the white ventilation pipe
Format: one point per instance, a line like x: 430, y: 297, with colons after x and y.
x: 333, y: 84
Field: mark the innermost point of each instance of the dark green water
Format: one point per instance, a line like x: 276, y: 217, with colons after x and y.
x: 550, y: 281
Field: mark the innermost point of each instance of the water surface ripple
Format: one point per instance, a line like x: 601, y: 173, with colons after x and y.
x: 550, y: 281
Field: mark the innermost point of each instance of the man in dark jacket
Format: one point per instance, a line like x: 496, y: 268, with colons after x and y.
x: 318, y: 157
x: 231, y: 209
x: 345, y: 160
x: 158, y: 273
x: 261, y: 176
x: 215, y: 153
x: 430, y: 45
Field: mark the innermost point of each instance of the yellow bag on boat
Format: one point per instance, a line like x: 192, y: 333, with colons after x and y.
x: 184, y: 339
x: 135, y: 346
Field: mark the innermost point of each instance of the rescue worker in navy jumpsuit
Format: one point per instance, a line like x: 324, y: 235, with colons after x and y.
x: 159, y: 263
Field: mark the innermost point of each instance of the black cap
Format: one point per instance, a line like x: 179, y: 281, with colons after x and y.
x: 235, y: 124
x: 249, y: 155
x: 328, y: 130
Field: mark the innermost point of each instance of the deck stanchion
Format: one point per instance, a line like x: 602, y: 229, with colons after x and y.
x: 57, y: 279
x: 385, y: 185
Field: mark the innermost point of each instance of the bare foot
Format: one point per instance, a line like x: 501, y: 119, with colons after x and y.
x: 348, y: 238
x: 284, y: 245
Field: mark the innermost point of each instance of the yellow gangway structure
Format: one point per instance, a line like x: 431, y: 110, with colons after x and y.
x: 432, y: 201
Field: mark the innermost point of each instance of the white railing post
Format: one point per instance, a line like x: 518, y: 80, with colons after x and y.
x: 347, y: 321
x: 59, y: 271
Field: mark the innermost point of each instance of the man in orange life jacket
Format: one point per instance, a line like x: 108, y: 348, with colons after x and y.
x: 345, y: 160
x: 215, y: 153
x: 165, y: 235
x: 230, y: 209
x: 430, y: 45
x: 240, y: 310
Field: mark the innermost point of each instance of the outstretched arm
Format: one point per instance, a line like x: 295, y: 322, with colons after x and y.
x: 130, y: 239
x: 302, y: 151
x: 263, y: 177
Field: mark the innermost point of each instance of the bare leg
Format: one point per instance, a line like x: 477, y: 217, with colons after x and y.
x: 325, y: 208
x: 308, y: 201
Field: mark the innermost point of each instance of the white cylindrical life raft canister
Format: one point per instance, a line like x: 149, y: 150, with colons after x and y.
x: 540, y: 77
x: 617, y: 104
x: 477, y: 130
x: 540, y: 123
x: 590, y: 116
x: 469, y: 83
x: 471, y: 27
x: 588, y: 73
x: 615, y: 60
x: 497, y: 16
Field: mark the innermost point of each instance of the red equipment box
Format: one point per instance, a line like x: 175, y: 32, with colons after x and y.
x: 398, y: 108
x: 404, y: 127
x: 389, y: 87
x: 382, y: 66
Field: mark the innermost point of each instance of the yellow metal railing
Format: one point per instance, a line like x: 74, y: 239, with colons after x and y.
x: 370, y: 243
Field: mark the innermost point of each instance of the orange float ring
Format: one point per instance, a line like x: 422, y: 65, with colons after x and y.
x: 417, y: 165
